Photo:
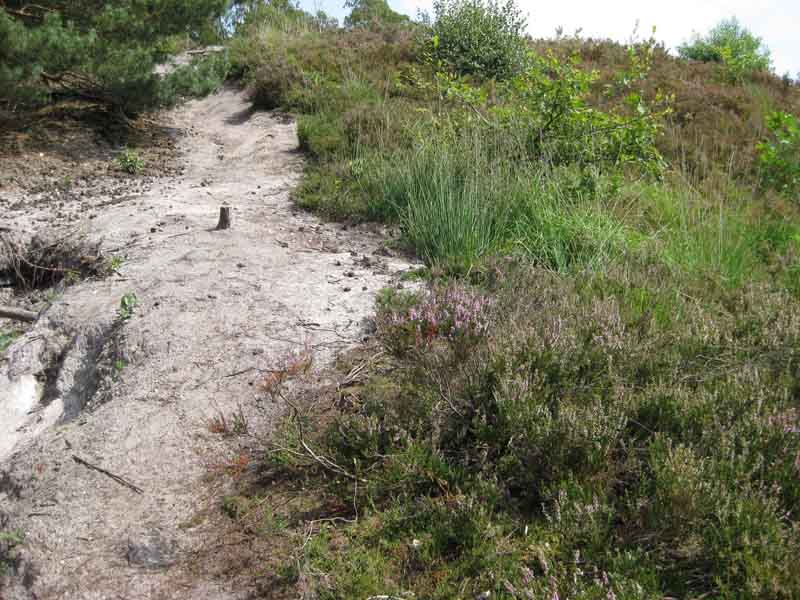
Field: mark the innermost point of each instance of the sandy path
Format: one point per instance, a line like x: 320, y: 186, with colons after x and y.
x: 214, y: 308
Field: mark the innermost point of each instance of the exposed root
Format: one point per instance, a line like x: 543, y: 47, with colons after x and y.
x: 46, y: 260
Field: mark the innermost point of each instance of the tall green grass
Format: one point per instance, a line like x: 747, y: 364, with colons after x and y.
x: 458, y: 201
x: 453, y: 207
x: 714, y: 234
x: 457, y: 204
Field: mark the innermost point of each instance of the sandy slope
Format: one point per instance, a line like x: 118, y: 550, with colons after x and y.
x: 216, y: 308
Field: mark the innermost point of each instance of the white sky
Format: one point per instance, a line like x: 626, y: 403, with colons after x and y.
x: 777, y: 22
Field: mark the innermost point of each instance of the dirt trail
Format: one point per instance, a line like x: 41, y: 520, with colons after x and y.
x: 215, y: 309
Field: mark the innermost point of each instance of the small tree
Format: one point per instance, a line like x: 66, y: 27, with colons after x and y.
x: 282, y: 15
x: 731, y: 44
x: 104, y: 50
x: 370, y: 13
x: 481, y: 37
x: 779, y: 156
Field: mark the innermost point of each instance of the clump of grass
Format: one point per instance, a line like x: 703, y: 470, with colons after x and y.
x: 9, y: 543
x: 130, y: 162
x: 235, y: 424
x: 127, y: 306
x: 7, y: 338
x: 448, y: 214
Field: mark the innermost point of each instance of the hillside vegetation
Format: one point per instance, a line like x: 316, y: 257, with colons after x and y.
x: 594, y: 391
x: 596, y: 395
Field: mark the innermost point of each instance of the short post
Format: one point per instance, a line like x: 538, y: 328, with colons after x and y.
x: 224, y: 218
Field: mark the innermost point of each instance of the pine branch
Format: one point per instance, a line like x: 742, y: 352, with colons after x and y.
x: 24, y: 12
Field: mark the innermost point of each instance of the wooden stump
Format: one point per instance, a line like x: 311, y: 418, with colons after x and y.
x: 224, y: 218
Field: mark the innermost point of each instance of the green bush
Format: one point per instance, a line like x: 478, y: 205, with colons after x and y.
x: 480, y: 37
x: 372, y: 13
x: 203, y: 76
x: 779, y: 157
x: 9, y: 542
x: 320, y: 135
x: 731, y: 44
x: 7, y: 338
x: 546, y: 108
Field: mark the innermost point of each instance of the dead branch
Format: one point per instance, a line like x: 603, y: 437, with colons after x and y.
x: 26, y: 12
x: 320, y: 459
x: 357, y: 372
x: 17, y: 314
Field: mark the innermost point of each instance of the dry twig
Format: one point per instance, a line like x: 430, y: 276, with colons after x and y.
x: 116, y: 478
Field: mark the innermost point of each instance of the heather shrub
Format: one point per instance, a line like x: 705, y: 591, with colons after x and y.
x: 265, y: 60
x: 578, y: 424
x: 319, y: 135
x: 453, y: 314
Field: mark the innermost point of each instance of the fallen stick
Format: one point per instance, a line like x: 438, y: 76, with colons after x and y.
x: 18, y: 314
x: 242, y: 372
x: 116, y: 478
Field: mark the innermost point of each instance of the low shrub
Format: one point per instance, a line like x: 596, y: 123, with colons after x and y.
x: 547, y: 107
x: 129, y: 161
x: 201, y: 77
x: 455, y: 314
x: 9, y: 547
x: 321, y: 136
x: 578, y: 446
x: 374, y: 14
x: 779, y: 157
x: 733, y: 45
